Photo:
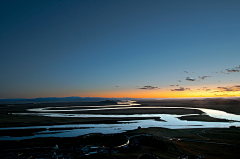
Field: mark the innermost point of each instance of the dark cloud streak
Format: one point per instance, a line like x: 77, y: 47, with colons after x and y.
x: 190, y: 79
x: 180, y: 89
x: 229, y: 88
x: 236, y: 69
x: 203, y: 77
x: 149, y: 88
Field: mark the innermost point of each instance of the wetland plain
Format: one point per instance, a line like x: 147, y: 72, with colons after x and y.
x: 29, y: 119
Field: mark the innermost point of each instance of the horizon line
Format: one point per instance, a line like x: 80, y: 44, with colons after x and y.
x: 115, y: 97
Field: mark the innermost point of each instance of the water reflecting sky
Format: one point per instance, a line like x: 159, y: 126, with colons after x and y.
x: 169, y: 121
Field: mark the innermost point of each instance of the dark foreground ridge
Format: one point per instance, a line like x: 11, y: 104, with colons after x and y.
x: 141, y: 143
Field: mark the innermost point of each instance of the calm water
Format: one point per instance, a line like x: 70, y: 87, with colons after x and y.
x: 170, y: 121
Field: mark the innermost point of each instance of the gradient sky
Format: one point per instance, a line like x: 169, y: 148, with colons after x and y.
x: 156, y: 48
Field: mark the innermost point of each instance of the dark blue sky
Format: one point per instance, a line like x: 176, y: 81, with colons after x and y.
x: 113, y: 48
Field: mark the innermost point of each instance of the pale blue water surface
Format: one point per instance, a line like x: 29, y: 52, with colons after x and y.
x: 170, y: 121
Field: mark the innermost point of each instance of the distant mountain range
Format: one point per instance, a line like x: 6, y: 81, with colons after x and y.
x: 93, y: 99
x: 57, y: 99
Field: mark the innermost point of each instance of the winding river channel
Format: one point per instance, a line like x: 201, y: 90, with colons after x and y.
x: 170, y: 121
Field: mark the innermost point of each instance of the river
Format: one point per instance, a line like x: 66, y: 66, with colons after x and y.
x: 170, y: 121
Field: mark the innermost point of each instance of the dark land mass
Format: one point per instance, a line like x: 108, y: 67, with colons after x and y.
x: 163, y: 143
x: 129, y: 111
x: 22, y: 108
x: 214, y: 143
x: 30, y: 120
x: 203, y: 118
x: 229, y: 105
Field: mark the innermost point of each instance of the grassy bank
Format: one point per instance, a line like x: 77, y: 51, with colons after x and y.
x: 205, y: 118
x: 156, y: 141
x: 28, y: 120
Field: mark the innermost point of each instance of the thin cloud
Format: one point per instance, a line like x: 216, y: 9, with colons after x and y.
x: 180, y: 89
x: 236, y: 69
x: 221, y: 95
x: 225, y: 88
x: 149, y: 88
x: 229, y: 88
x: 232, y: 70
x: 203, y: 77
x: 215, y: 91
x: 190, y: 79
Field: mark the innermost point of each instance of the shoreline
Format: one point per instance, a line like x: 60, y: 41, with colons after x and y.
x: 10, y: 120
x: 28, y: 120
x: 143, y: 140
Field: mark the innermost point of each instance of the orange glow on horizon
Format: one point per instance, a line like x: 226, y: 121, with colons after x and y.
x: 137, y: 93
x: 161, y: 94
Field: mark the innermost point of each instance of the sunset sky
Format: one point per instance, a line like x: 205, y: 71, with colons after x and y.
x: 139, y: 49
